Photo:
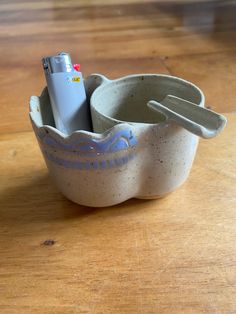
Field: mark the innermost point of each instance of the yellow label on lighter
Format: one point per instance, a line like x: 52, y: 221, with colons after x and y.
x: 76, y: 79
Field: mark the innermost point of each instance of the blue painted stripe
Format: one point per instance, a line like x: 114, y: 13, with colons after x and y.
x: 88, y: 165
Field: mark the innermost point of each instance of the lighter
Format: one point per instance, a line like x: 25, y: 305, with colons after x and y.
x: 67, y: 94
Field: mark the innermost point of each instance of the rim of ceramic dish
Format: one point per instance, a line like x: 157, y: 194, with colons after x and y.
x: 108, y: 82
x: 53, y: 131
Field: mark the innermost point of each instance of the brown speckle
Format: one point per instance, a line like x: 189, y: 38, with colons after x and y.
x: 13, y: 153
x: 164, y: 57
x: 49, y: 242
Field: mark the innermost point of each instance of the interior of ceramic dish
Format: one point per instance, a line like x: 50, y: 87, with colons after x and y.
x: 126, y: 99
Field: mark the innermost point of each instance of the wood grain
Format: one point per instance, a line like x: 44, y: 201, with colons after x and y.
x: 115, y: 38
x: 172, y: 255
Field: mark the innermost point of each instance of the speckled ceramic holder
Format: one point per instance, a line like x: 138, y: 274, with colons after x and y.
x: 133, y: 152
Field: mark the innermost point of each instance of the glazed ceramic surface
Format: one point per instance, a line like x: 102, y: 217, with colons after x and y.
x: 132, y: 152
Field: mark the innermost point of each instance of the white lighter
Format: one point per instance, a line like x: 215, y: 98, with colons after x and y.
x: 67, y: 94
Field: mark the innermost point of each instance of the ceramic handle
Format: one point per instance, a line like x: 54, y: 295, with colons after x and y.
x: 93, y: 81
x: 199, y: 121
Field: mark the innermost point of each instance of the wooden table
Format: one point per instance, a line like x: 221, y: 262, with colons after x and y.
x: 172, y: 255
